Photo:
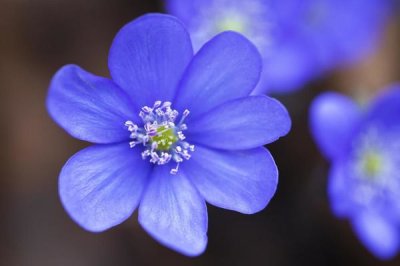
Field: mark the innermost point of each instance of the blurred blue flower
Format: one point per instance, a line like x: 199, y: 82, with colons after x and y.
x: 298, y: 40
x: 363, y: 145
x: 171, y: 130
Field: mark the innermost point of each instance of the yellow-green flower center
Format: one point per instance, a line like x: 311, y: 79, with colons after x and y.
x: 165, y: 138
x: 372, y: 163
x: 229, y: 23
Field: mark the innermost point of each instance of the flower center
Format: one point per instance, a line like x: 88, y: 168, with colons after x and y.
x: 231, y: 23
x: 165, y: 138
x: 372, y: 164
x: 161, y: 136
x: 371, y: 160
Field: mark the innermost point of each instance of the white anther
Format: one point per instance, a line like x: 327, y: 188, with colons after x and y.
x: 131, y: 126
x: 166, y: 104
x: 157, y: 104
x: 174, y: 171
x: 180, y: 135
x: 145, y: 154
x: 159, y: 112
x: 147, y: 109
x: 186, y: 155
x: 183, y: 127
x: 132, y: 144
x: 151, y: 129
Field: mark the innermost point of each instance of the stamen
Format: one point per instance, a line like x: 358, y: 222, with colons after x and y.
x: 184, y: 115
x: 131, y: 126
x: 157, y: 104
x: 180, y: 135
x: 161, y: 137
x: 174, y: 171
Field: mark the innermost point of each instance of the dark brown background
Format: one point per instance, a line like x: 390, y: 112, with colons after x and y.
x: 297, y: 228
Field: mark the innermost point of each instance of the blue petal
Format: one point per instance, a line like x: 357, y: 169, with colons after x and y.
x: 349, y: 32
x: 227, y: 67
x: 339, y: 190
x: 148, y: 57
x: 241, y: 124
x: 187, y: 11
x: 385, y: 110
x: 333, y: 118
x: 288, y: 67
x: 101, y: 186
x: 173, y: 212
x: 88, y: 107
x: 243, y: 181
x: 378, y: 234
x: 334, y: 33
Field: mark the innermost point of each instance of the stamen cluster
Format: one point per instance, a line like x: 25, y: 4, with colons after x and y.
x: 162, y: 138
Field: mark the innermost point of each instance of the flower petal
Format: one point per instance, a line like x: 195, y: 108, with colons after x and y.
x: 148, y: 57
x: 288, y: 67
x: 243, y: 181
x: 173, y: 212
x: 101, y: 186
x: 88, y: 107
x: 187, y: 11
x: 227, y: 67
x: 378, y: 234
x: 333, y: 117
x: 385, y: 110
x: 241, y: 124
x: 339, y: 190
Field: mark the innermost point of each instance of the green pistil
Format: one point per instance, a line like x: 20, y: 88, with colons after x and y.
x: 230, y: 24
x: 372, y: 163
x: 165, y: 138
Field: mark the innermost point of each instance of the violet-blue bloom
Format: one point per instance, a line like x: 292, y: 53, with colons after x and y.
x: 363, y: 145
x: 298, y: 40
x: 171, y: 131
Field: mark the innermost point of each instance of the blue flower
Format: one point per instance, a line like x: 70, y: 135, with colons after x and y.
x: 171, y: 130
x: 363, y: 145
x: 298, y: 40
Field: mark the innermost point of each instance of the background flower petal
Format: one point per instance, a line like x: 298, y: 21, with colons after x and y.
x: 88, y: 107
x: 333, y: 117
x: 225, y: 68
x: 242, y: 181
x: 101, y: 186
x: 241, y: 124
x: 378, y: 234
x: 385, y: 109
x: 187, y: 11
x: 338, y: 190
x: 287, y: 68
x: 148, y: 57
x: 173, y: 212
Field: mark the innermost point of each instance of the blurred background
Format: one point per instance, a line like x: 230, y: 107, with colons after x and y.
x: 297, y: 228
